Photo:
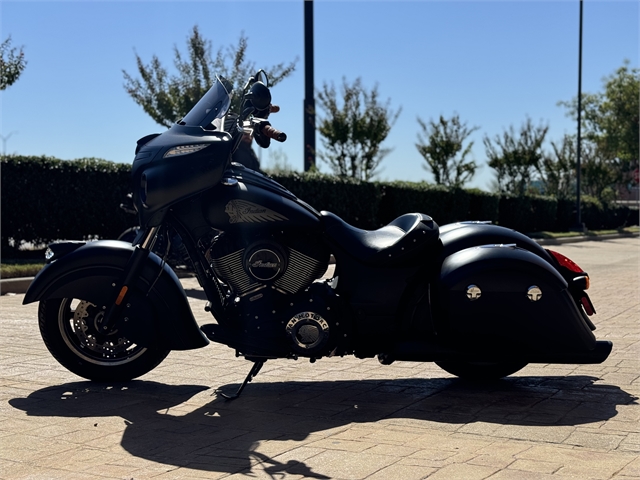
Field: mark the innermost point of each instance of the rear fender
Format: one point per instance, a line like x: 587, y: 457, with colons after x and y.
x: 91, y: 272
x: 458, y: 236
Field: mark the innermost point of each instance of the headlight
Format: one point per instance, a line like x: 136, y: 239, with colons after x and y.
x: 184, y: 150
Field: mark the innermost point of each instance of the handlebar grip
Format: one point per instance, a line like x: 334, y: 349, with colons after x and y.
x: 270, y: 132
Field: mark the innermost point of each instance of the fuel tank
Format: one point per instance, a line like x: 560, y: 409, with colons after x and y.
x: 245, y: 199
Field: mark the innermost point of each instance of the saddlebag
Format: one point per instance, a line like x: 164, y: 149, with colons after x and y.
x: 509, y: 299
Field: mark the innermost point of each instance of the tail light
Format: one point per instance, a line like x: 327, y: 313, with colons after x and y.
x: 578, y: 281
x: 566, y: 262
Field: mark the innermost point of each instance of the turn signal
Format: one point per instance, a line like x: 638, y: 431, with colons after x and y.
x: 582, y: 282
x: 184, y: 150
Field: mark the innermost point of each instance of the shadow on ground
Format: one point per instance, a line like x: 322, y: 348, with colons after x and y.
x: 218, y: 435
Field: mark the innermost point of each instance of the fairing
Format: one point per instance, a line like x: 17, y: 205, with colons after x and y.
x: 161, y: 178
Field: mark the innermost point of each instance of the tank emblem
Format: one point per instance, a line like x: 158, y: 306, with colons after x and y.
x: 534, y: 293
x: 241, y: 211
x: 473, y: 292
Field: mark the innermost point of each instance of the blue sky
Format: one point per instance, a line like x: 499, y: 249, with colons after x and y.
x: 493, y: 63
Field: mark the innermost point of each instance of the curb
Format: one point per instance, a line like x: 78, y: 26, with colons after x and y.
x: 583, y: 238
x: 14, y: 285
x: 20, y: 285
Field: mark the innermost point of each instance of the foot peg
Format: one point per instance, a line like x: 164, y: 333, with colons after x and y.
x: 252, y: 373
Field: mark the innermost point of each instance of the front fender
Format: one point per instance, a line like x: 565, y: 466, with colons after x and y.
x: 91, y: 271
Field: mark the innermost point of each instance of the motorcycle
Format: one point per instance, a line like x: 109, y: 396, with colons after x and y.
x: 479, y: 300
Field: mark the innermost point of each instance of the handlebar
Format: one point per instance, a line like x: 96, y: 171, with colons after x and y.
x: 270, y: 132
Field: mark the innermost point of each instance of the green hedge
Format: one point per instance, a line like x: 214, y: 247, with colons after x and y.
x: 442, y: 204
x: 356, y: 202
x: 483, y: 205
x: 528, y: 213
x: 45, y: 199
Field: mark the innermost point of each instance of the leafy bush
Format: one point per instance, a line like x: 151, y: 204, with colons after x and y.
x: 598, y: 216
x: 442, y: 204
x: 355, y: 201
x: 565, y: 215
x: 483, y: 205
x: 44, y: 199
x: 528, y: 213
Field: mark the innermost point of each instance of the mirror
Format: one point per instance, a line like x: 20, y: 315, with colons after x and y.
x: 259, y: 95
x: 261, y: 77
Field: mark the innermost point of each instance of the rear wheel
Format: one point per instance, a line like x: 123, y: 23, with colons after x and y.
x: 70, y: 330
x: 481, y: 371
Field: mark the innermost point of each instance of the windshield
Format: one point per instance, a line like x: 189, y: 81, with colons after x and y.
x: 213, y: 105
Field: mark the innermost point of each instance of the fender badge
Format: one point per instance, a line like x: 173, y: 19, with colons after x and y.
x: 241, y: 211
x: 534, y: 293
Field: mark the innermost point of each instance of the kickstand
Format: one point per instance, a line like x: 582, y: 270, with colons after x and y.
x: 252, y: 373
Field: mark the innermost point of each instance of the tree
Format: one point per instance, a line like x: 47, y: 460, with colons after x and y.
x: 441, y: 145
x: 610, y: 120
x: 600, y: 172
x: 516, y: 157
x: 352, y: 133
x: 167, y: 98
x: 558, y: 171
x: 11, y: 64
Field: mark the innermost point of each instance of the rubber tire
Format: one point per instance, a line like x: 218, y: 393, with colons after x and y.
x: 481, y: 371
x: 143, y: 359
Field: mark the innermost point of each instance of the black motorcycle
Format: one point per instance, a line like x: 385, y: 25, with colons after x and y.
x: 479, y: 300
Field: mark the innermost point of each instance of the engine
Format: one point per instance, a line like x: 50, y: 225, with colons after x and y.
x: 249, y: 266
x: 279, y: 310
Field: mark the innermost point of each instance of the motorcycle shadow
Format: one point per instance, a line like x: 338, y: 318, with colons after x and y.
x: 186, y: 425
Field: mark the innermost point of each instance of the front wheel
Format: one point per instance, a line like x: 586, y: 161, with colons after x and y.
x: 481, y: 371
x: 69, y: 328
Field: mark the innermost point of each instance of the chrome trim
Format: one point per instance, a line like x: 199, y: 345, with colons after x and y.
x: 473, y: 292
x: 534, y: 293
x: 149, y: 238
x: 230, y: 182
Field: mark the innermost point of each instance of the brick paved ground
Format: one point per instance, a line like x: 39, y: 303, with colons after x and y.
x: 337, y: 418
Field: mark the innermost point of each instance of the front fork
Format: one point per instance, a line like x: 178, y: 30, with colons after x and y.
x: 142, y: 247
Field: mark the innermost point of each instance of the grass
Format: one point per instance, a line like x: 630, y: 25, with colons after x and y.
x: 13, y: 268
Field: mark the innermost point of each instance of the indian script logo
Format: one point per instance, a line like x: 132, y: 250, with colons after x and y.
x: 241, y: 211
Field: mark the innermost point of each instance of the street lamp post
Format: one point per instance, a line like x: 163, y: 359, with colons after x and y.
x: 579, y: 224
x: 309, y: 115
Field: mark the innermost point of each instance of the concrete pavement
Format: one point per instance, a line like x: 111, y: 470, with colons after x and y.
x: 338, y: 418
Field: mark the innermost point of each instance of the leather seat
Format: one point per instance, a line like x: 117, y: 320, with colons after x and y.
x: 401, y: 240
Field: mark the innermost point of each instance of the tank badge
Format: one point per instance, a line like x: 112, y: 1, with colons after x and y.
x: 241, y: 211
x: 534, y: 293
x: 473, y: 292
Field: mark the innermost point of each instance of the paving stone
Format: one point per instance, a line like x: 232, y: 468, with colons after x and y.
x: 466, y: 471
x: 341, y: 418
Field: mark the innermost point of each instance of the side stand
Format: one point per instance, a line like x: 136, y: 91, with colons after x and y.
x: 252, y: 373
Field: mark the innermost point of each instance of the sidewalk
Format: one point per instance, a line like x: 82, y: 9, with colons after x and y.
x: 339, y: 418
